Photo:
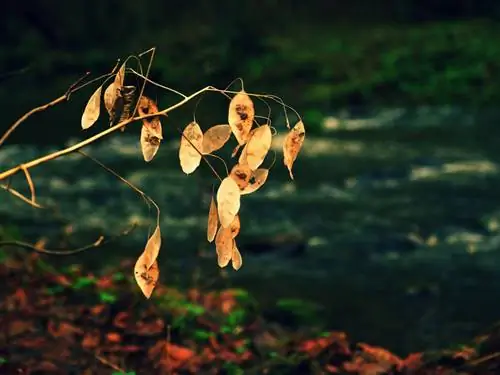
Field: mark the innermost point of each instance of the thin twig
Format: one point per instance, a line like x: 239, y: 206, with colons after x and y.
x: 41, y: 108
x: 73, y: 88
x: 20, y: 196
x: 104, y: 133
x: 30, y: 184
x: 28, y: 114
x: 123, y: 179
x: 156, y: 83
x: 101, y: 241
x: 104, y: 361
x: 486, y: 358
x: 152, y: 50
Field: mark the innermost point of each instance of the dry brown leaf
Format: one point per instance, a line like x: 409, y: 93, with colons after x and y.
x: 241, y: 174
x: 146, y: 277
x: 154, y: 127
x: 257, y: 147
x: 215, y: 137
x: 120, y: 77
x: 153, y: 245
x: 228, y: 201
x: 236, y: 259
x: 151, y: 132
x: 235, y: 226
x: 149, y: 143
x: 292, y: 145
x: 113, y: 98
x: 92, y: 109
x: 243, y: 154
x: 257, y: 179
x: 110, y: 97
x: 147, y: 106
x: 124, y: 105
x: 224, y: 246
x: 240, y: 116
x: 190, y: 147
x: 213, y: 221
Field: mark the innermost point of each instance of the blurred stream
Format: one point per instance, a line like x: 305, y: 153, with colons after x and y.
x: 392, y: 224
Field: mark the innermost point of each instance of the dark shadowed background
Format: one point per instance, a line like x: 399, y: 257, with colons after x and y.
x: 391, y: 229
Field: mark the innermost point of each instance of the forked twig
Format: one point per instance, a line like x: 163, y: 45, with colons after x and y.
x: 20, y: 196
x: 30, y: 183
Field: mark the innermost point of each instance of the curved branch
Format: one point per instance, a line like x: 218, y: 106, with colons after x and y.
x: 99, y: 242
x: 28, y: 114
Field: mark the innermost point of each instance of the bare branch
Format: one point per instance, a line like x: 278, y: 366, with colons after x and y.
x: 101, y: 241
x: 104, y: 133
x: 30, y: 184
x: 20, y: 196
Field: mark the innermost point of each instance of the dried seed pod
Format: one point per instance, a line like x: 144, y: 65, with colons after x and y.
x: 292, y: 144
x: 240, y: 116
x: 241, y: 174
x: 92, y: 109
x: 190, y: 147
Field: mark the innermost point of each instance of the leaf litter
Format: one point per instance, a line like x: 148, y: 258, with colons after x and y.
x: 51, y: 326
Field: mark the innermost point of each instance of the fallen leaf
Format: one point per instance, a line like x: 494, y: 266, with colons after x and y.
x: 292, y: 145
x: 257, y: 179
x: 241, y: 174
x: 213, y: 221
x: 228, y: 201
x: 190, y: 147
x: 224, y: 246
x: 236, y: 259
x: 215, y: 137
x: 91, y: 340
x: 113, y: 337
x: 381, y: 355
x: 146, y: 277
x: 240, y: 116
x: 149, y: 143
x: 92, y: 109
x: 257, y: 147
x: 152, y: 248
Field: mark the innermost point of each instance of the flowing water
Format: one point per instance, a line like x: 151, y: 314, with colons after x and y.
x: 392, y: 225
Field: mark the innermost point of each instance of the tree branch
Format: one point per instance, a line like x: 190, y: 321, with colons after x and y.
x: 104, y: 133
x: 101, y: 241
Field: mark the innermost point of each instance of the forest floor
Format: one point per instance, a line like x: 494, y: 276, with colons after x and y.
x: 70, y: 322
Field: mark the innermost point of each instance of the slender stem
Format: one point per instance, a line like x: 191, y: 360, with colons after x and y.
x: 144, y: 83
x: 20, y: 196
x: 101, y: 241
x: 28, y: 114
x: 86, y: 142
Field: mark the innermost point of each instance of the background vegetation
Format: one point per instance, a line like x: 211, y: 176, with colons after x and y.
x: 403, y: 209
